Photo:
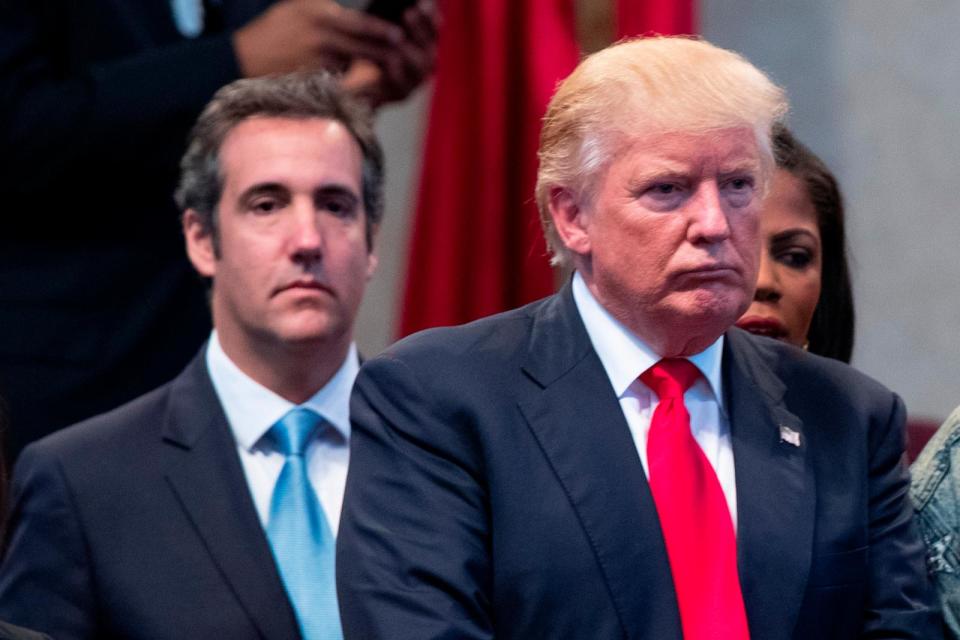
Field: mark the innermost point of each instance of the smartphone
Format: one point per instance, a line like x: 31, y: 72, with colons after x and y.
x: 391, y: 10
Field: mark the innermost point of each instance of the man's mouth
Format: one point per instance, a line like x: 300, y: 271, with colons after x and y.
x: 305, y: 284
x: 707, y: 267
x: 710, y: 272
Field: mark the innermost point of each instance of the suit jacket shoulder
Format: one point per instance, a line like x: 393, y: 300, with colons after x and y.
x: 498, y: 338
x: 822, y: 496
x: 139, y: 523
x: 806, y: 372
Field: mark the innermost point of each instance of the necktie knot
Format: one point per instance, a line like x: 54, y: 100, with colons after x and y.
x: 670, y: 377
x: 293, y: 431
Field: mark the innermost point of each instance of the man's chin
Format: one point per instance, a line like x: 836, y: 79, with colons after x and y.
x: 310, y: 331
x: 309, y: 338
x: 711, y: 310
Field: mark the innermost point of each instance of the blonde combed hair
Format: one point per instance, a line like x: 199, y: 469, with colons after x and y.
x: 642, y: 87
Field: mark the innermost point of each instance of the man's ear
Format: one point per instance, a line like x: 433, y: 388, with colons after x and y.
x: 570, y: 220
x: 372, y: 258
x: 199, y: 241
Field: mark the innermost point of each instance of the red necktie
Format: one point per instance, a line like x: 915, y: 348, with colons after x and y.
x: 694, y: 518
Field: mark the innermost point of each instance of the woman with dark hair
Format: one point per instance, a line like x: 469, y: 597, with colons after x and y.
x: 803, y: 292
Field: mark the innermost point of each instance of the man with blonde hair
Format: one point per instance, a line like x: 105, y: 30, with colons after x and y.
x: 618, y: 461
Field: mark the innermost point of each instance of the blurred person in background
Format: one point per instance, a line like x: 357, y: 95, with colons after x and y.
x: 803, y: 296
x: 97, y: 300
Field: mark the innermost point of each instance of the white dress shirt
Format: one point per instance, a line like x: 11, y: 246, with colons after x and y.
x: 625, y: 356
x: 251, y: 410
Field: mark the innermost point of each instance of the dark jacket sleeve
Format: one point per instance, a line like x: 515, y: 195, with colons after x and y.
x: 65, y: 99
x: 46, y: 582
x: 901, y: 602
x: 404, y: 571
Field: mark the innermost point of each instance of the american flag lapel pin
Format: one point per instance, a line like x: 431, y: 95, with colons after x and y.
x: 789, y: 436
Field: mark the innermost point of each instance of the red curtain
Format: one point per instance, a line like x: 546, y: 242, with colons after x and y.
x: 665, y: 17
x: 477, y: 247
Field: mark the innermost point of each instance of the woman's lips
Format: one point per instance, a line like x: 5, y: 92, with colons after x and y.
x: 770, y: 327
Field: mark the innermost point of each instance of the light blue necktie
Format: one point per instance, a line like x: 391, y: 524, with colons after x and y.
x: 302, y: 542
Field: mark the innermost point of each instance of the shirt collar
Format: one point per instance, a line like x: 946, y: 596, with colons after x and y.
x: 251, y: 408
x: 624, y: 355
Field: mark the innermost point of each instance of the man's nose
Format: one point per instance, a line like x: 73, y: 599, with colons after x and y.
x: 768, y: 285
x: 708, y: 218
x: 306, y: 237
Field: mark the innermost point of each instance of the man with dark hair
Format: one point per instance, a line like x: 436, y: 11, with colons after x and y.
x: 617, y: 461
x: 208, y: 507
x: 96, y: 100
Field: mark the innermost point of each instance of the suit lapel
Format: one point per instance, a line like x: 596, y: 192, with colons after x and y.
x: 204, y: 471
x: 775, y: 491
x: 576, y: 418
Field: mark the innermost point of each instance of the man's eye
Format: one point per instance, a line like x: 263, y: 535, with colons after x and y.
x: 340, y: 207
x: 739, y: 185
x: 663, y: 191
x: 662, y: 196
x: 739, y: 190
x: 264, y: 205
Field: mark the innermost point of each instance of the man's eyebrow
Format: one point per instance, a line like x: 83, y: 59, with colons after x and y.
x: 740, y: 166
x: 262, y: 188
x: 336, y: 189
x: 659, y: 171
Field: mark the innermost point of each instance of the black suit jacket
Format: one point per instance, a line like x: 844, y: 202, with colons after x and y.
x: 495, y: 491
x: 97, y: 299
x: 11, y: 632
x: 139, y: 524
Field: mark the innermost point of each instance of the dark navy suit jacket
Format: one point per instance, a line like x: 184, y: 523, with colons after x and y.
x: 495, y: 491
x: 139, y: 524
x: 11, y: 632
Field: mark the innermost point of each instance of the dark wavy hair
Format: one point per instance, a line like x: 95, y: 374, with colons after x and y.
x: 831, y: 329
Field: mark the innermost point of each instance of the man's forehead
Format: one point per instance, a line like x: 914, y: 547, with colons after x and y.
x: 721, y: 151
x: 734, y: 144
x: 279, y: 148
x: 260, y: 128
